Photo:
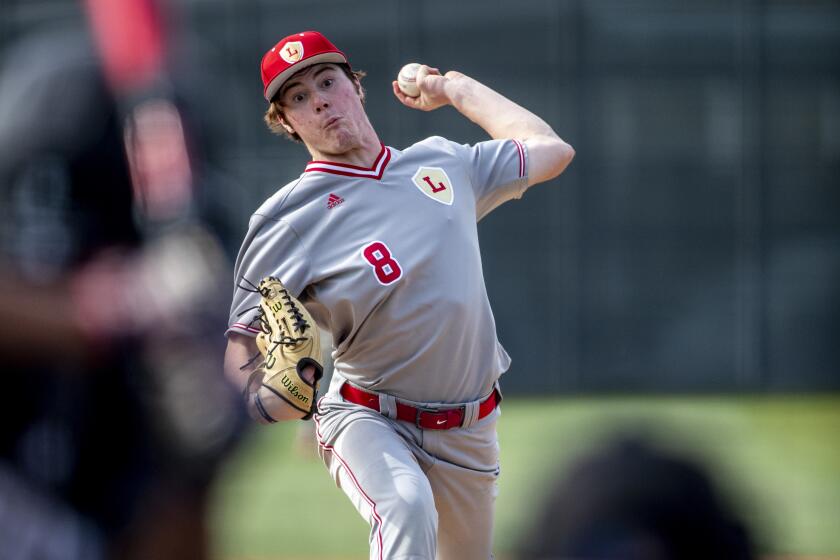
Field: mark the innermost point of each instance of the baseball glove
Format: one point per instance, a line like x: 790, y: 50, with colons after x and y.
x: 288, y: 342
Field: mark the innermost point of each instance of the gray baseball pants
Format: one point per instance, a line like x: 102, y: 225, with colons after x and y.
x: 427, y: 494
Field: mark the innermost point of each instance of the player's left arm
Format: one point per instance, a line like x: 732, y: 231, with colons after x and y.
x: 548, y: 154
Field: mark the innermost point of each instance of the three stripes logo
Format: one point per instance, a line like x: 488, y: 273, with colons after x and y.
x: 333, y: 201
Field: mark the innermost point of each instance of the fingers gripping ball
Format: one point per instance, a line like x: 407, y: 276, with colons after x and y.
x: 289, y: 341
x: 407, y: 79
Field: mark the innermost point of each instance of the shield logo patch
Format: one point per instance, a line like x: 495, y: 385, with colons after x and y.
x: 292, y: 52
x: 434, y: 183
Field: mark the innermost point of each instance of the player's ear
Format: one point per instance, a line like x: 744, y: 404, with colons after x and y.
x: 286, y: 126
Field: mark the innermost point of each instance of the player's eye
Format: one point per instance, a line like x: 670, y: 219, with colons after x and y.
x: 328, y: 82
x: 297, y: 98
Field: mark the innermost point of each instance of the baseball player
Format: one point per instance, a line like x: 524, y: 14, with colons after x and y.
x: 380, y: 247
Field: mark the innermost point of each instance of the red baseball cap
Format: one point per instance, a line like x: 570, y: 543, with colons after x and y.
x: 294, y: 53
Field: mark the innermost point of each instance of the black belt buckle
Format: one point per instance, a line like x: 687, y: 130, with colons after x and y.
x: 440, y: 424
x: 420, y: 411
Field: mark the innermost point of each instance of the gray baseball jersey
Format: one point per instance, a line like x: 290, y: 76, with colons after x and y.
x: 387, y: 260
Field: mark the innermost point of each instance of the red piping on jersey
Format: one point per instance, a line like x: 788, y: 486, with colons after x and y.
x: 358, y: 486
x: 521, y: 158
x: 374, y: 172
x: 244, y: 327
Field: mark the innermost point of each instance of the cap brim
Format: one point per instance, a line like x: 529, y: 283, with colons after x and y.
x: 275, y: 84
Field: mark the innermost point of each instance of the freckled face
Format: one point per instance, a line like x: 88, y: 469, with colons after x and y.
x: 323, y: 106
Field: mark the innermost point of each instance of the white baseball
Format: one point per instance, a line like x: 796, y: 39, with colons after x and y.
x: 407, y: 79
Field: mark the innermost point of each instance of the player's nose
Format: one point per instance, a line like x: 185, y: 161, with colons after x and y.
x: 320, y: 102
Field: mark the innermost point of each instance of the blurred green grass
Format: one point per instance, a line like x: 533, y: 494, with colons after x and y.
x: 776, y: 457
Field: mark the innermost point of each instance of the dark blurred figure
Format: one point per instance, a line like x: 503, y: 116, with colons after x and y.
x: 631, y: 501
x: 114, y: 412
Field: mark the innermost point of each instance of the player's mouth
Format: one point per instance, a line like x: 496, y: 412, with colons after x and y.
x: 331, y: 121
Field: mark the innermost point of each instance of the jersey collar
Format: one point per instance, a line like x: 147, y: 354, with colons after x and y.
x: 374, y: 172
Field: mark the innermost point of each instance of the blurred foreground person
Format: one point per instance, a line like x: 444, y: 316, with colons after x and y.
x: 114, y: 414
x: 630, y: 501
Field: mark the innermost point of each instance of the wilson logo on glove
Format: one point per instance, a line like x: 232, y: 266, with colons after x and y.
x: 293, y: 389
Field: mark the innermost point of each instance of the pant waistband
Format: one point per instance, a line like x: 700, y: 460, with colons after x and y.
x: 427, y: 418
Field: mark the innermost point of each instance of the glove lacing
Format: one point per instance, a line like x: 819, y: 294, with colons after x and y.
x: 299, y: 322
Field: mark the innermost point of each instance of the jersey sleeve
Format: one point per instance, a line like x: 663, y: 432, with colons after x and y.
x: 498, y: 170
x: 271, y: 248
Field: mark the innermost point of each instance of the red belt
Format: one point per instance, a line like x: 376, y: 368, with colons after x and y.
x: 426, y: 418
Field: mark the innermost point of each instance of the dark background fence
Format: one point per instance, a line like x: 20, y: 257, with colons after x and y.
x: 693, y: 245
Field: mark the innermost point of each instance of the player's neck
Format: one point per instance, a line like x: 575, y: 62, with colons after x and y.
x: 362, y: 153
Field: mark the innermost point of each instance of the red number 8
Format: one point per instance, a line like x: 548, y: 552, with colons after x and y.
x: 385, y: 266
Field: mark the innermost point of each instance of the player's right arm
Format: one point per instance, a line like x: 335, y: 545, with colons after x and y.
x: 501, y: 118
